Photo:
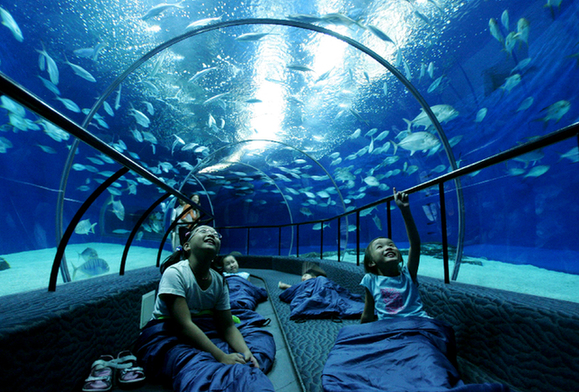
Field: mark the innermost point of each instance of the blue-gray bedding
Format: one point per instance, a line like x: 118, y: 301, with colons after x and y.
x: 401, y: 354
x: 322, y: 298
x: 243, y: 294
x: 169, y: 360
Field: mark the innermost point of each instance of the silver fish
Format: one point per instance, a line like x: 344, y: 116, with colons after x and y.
x: 417, y: 141
x: 84, y: 227
x: 80, y: 71
x: 92, y: 267
x: 8, y: 21
x: 250, y: 37
x: 88, y: 253
x: 159, y: 8
x: 51, y: 65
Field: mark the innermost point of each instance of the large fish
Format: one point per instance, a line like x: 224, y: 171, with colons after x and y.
x: 88, y: 253
x: 92, y: 267
x: 443, y: 113
x: 159, y: 8
x: 556, y: 110
x: 8, y: 21
x: 417, y: 141
x: 51, y: 65
x: 84, y: 227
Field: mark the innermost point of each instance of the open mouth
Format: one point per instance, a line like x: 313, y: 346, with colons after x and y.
x: 390, y: 254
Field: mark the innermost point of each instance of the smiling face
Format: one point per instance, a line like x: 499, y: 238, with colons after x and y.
x: 195, y: 199
x: 204, y: 238
x: 382, y: 257
x: 230, y: 265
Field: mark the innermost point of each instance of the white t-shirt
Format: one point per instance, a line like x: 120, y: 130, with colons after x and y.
x: 179, y: 280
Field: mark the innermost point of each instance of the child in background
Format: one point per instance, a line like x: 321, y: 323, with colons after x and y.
x: 309, y: 271
x: 391, y: 287
x: 231, y: 266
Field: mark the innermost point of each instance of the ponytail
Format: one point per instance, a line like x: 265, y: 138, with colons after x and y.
x: 180, y: 254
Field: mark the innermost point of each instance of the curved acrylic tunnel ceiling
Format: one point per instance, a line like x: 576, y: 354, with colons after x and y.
x: 266, y: 121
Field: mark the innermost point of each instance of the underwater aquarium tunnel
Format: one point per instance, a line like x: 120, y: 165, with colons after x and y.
x: 293, y: 123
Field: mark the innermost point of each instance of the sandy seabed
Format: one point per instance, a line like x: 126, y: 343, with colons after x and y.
x: 31, y: 270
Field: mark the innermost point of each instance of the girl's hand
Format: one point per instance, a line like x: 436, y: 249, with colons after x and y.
x: 232, y: 359
x: 248, y: 356
x: 401, y: 199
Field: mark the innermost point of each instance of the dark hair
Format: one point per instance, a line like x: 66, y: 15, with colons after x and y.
x: 177, y: 256
x: 373, y: 269
x: 313, y: 269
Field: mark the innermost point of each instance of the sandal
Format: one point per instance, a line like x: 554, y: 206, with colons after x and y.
x: 101, y: 375
x: 129, y: 373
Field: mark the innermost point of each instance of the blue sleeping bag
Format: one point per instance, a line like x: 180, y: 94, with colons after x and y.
x: 243, y: 294
x: 401, y: 354
x: 169, y: 360
x: 321, y: 298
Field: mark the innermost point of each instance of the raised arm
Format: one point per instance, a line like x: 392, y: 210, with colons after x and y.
x: 193, y: 334
x: 403, y: 204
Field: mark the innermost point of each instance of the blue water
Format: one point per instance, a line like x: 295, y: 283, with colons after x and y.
x: 313, y: 164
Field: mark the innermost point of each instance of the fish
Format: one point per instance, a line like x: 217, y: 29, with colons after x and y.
x: 306, y: 211
x: 511, y: 82
x: 47, y: 149
x: 54, y: 132
x: 118, y: 208
x: 495, y: 30
x: 140, y: 117
x: 377, y: 222
x: 505, y: 19
x: 515, y: 171
x: 92, y: 267
x: 572, y: 155
x: 88, y: 253
x: 523, y: 28
x: 150, y: 108
x: 556, y: 110
x: 5, y: 144
x: 537, y: 171
x: 318, y: 226
x: 299, y: 67
x: 69, y: 104
x: 249, y: 37
x: 443, y: 113
x: 356, y: 134
x: 480, y: 115
x: 80, y: 71
x: 108, y: 109
x: 417, y: 141
x: 430, y: 70
x: 510, y: 42
x: 527, y: 102
x: 159, y: 8
x: 379, y: 33
x: 49, y: 85
x: 435, y: 84
x: 522, y: 65
x: 12, y: 106
x: 51, y: 66
x: 84, y: 227
x: 371, y: 181
x: 89, y: 53
x: 200, y: 73
x: 215, y: 98
x: 529, y: 157
x: 202, y: 22
x: 118, y: 98
x: 8, y: 21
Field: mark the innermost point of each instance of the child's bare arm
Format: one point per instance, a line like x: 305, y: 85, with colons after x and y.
x: 403, y: 204
x: 368, y: 313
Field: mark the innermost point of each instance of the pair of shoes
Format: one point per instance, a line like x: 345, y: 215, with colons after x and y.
x: 101, y: 375
x: 129, y: 373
